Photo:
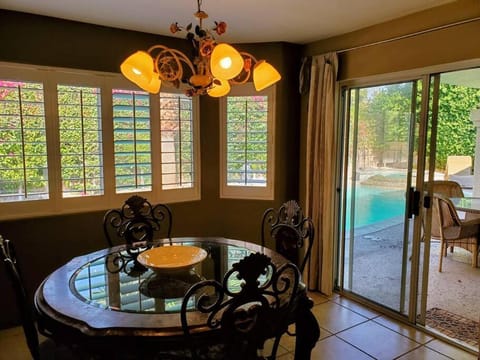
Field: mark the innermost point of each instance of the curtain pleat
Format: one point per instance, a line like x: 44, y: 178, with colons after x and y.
x: 320, y: 168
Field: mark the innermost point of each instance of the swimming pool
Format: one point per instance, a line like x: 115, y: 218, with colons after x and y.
x: 374, y: 204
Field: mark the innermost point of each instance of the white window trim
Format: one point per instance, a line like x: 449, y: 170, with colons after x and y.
x: 56, y: 204
x: 248, y: 192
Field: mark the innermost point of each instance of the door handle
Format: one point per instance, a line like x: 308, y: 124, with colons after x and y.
x: 413, y: 202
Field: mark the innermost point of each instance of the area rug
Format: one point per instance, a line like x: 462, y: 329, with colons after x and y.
x: 453, y: 325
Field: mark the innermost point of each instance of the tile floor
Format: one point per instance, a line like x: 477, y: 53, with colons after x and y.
x: 349, y: 331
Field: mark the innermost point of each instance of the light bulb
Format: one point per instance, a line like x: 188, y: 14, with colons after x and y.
x: 225, y: 62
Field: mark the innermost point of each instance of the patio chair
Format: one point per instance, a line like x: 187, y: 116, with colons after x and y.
x: 252, y: 304
x: 454, y: 231
x: 446, y: 188
x: 136, y: 222
x: 46, y: 349
x: 289, y: 230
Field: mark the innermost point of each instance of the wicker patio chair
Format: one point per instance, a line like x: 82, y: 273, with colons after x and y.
x: 454, y: 231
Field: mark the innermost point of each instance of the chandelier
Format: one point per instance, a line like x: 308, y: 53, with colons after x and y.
x: 215, y: 66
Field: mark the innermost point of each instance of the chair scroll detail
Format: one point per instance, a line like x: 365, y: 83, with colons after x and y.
x: 253, y: 303
x: 137, y: 222
x: 289, y: 229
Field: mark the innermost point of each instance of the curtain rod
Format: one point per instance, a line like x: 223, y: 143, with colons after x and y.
x: 409, y: 35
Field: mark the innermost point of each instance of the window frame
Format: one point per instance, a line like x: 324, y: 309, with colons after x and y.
x: 245, y: 191
x: 56, y: 204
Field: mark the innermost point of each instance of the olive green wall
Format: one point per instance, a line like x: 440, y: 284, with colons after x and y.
x: 45, y: 243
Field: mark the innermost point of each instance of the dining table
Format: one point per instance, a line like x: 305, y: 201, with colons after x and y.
x: 108, y: 303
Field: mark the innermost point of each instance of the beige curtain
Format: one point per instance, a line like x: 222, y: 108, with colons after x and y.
x: 320, y: 169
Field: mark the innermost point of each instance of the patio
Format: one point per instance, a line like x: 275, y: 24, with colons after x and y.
x: 455, y: 289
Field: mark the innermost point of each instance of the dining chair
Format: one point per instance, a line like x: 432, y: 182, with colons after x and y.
x: 454, y: 231
x: 287, y: 230
x: 251, y: 305
x: 137, y: 221
x: 45, y: 349
x: 446, y: 188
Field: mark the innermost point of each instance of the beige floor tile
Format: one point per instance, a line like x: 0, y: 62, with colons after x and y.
x: 287, y: 341
x: 324, y: 333
x: 423, y: 353
x: 288, y: 356
x: 333, y: 348
x: 267, y: 349
x: 404, y: 329
x: 13, y: 345
x: 449, y: 350
x: 378, y: 341
x: 358, y: 308
x: 317, y: 297
x: 335, y: 318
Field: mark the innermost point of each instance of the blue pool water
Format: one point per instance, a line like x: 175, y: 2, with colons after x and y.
x: 373, y: 205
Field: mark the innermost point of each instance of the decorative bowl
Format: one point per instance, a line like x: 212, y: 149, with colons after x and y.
x: 174, y: 258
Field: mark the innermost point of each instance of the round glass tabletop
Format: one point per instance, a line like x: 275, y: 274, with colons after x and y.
x: 118, y: 282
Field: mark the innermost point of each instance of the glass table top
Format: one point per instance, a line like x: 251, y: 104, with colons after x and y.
x: 116, y: 281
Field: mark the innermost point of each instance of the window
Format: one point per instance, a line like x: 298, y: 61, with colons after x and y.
x: 132, y: 140
x: 176, y: 126
x: 80, y: 130
x: 23, y: 143
x: 80, y: 141
x: 247, y: 143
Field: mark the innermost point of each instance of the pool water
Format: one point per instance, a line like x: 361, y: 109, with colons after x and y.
x: 374, y: 204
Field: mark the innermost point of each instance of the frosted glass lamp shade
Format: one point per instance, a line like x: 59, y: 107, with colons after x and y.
x: 264, y: 75
x: 225, y: 62
x: 138, y: 68
x: 219, y: 90
x: 153, y: 86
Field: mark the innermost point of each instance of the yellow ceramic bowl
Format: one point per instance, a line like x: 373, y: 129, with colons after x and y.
x: 171, y: 258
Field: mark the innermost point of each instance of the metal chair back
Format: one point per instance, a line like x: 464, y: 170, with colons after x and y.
x: 137, y: 221
x: 291, y: 233
x: 253, y: 303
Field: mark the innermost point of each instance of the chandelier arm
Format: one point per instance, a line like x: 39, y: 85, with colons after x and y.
x: 241, y: 79
x: 176, y: 55
x: 248, y: 55
x: 244, y: 76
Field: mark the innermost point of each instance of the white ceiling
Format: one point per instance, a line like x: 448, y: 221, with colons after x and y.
x: 296, y: 21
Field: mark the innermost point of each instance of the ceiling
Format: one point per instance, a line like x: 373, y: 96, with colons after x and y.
x: 295, y: 21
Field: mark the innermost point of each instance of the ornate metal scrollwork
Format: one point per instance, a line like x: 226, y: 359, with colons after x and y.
x: 289, y: 229
x: 251, y: 304
x: 137, y: 221
x: 126, y: 260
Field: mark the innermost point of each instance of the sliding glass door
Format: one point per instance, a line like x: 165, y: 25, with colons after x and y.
x: 378, y: 201
x: 397, y: 139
